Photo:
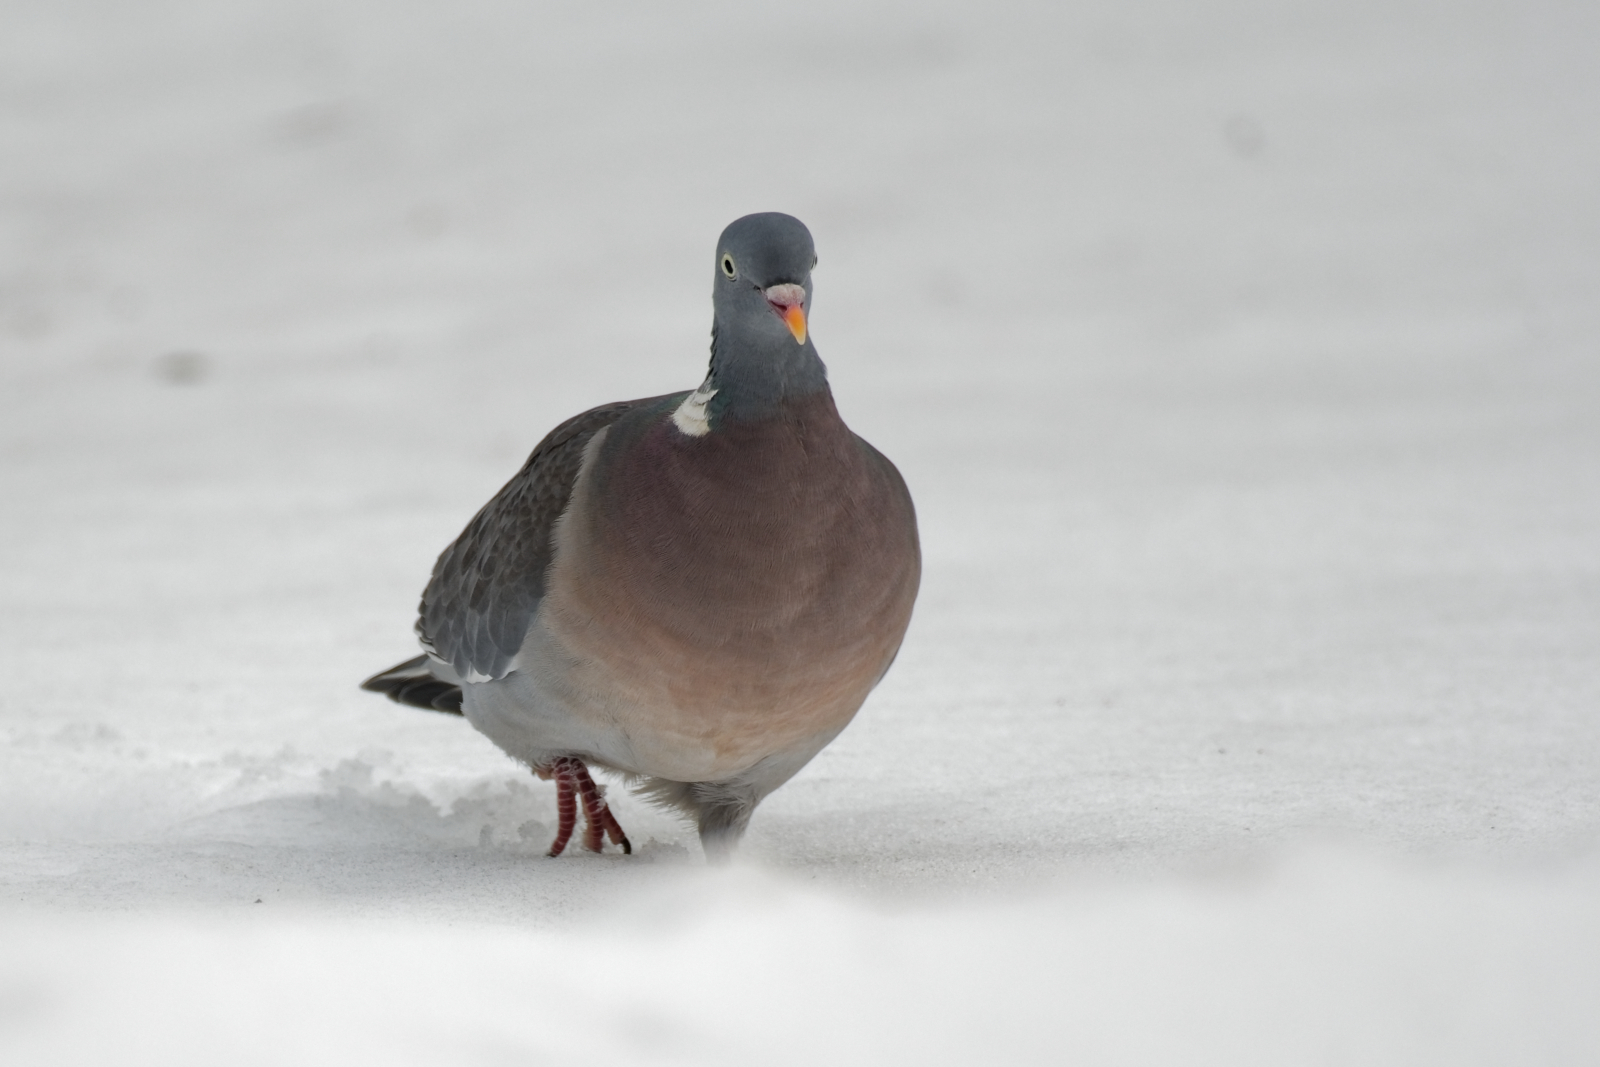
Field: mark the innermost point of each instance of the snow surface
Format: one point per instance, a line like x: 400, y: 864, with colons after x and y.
x: 1242, y: 358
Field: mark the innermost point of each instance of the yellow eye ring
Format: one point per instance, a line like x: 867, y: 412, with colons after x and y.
x: 728, y: 267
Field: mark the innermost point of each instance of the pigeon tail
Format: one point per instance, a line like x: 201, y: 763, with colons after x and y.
x: 413, y: 682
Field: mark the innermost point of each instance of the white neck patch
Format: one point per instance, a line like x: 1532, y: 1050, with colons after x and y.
x: 691, y: 415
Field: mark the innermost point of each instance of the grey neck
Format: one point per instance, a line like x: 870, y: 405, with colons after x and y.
x: 754, y: 380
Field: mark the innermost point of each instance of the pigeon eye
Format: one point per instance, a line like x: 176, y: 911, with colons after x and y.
x: 727, y: 265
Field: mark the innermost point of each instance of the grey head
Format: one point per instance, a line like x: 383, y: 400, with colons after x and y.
x: 761, y: 348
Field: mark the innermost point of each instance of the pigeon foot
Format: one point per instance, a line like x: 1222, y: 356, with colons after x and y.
x: 574, y: 786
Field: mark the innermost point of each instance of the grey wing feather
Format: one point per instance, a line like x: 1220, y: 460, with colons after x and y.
x: 487, y: 585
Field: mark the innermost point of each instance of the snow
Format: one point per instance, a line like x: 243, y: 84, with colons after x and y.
x: 1324, y: 963
x: 1241, y: 358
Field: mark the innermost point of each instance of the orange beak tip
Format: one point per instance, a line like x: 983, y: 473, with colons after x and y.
x: 795, y: 318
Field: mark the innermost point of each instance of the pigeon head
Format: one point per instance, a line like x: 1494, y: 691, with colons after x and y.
x: 761, y: 350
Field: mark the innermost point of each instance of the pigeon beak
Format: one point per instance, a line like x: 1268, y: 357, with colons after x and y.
x: 795, y: 319
x: 789, y: 301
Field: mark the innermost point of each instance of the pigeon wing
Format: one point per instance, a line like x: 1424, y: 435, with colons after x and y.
x: 487, y: 585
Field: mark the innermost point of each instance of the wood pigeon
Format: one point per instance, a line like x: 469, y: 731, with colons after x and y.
x: 697, y: 590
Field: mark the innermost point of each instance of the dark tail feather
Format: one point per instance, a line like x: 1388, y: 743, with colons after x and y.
x: 413, y: 683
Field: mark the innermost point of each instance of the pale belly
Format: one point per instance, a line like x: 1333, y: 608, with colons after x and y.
x: 648, y: 705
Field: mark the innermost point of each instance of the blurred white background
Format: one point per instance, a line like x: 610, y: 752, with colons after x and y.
x: 1241, y: 356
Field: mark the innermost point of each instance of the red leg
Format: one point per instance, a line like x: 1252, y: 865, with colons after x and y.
x: 594, y: 827
x: 614, y: 829
x: 573, y: 784
x: 566, y: 804
x: 599, y: 822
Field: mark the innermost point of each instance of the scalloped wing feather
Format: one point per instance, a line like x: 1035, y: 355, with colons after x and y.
x: 487, y: 585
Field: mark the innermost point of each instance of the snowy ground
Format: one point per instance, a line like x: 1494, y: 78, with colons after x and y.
x: 1243, y: 358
